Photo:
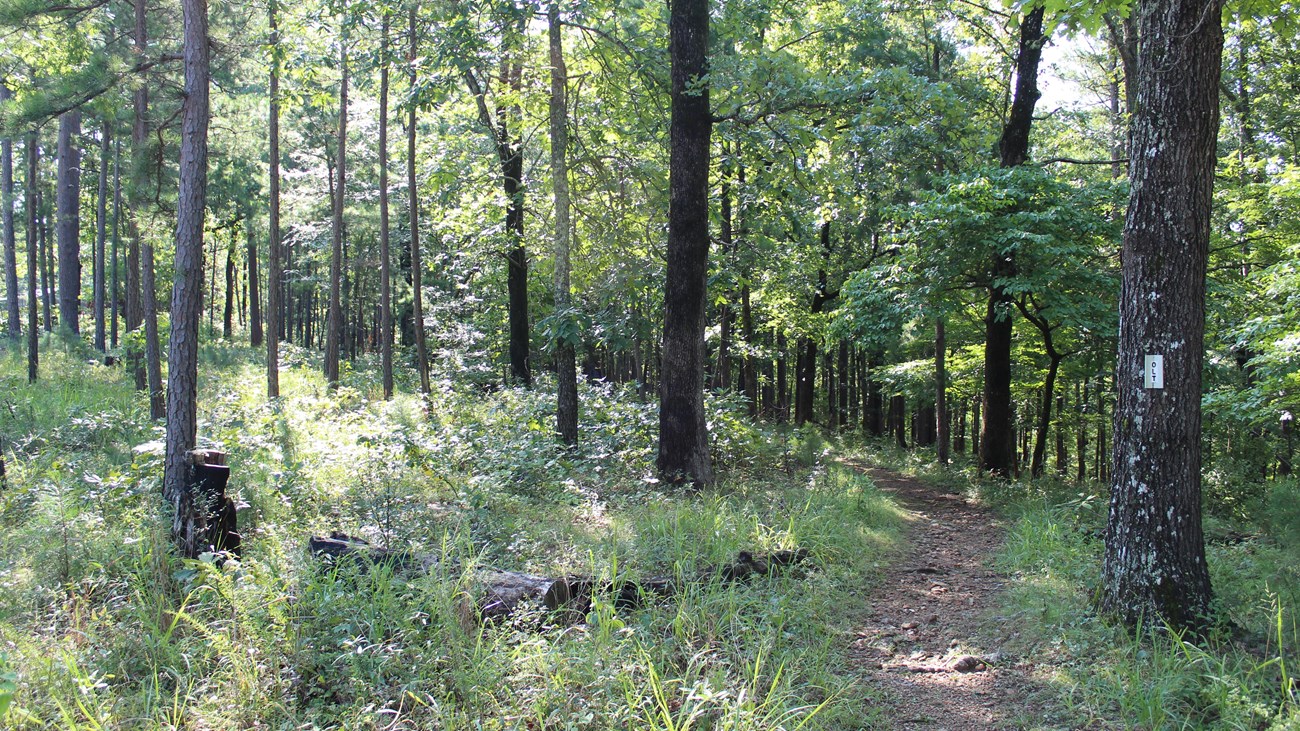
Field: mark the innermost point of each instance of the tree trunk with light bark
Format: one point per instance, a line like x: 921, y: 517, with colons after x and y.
x: 1154, y: 567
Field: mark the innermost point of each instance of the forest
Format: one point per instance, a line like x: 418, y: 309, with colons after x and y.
x: 743, y: 364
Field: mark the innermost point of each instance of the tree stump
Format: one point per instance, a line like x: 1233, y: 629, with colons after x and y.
x: 211, y: 522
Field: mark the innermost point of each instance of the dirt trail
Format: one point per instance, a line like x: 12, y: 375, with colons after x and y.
x: 921, y: 643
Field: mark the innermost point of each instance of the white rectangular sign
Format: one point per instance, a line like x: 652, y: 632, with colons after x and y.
x: 1155, y: 371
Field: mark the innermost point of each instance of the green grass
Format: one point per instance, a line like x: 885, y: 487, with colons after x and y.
x: 102, y: 627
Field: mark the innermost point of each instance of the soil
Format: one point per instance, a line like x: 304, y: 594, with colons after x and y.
x: 925, y: 643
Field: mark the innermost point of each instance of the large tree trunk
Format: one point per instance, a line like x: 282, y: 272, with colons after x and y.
x: 69, y: 225
x: 385, y: 255
x: 10, y: 240
x: 275, y: 275
x: 334, y: 327
x: 683, y: 431
x: 566, y: 370
x: 187, y: 287
x: 1154, y: 567
x: 33, y: 329
x: 417, y: 268
x: 512, y: 180
x: 997, y: 441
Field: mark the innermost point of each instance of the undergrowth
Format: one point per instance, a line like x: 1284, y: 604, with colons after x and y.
x: 102, y: 627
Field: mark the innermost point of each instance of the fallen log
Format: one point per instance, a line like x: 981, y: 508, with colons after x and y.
x: 501, y: 593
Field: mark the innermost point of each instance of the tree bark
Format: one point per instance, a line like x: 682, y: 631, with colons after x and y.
x: 997, y: 441
x: 253, y: 288
x: 1154, y: 567
x: 47, y: 259
x: 101, y: 241
x: 275, y: 275
x: 187, y: 287
x: 33, y: 330
x: 135, y: 203
x: 334, y: 326
x: 385, y: 254
x: 114, y: 303
x: 683, y: 431
x: 417, y: 268
x: 941, y: 389
x: 69, y: 224
x: 10, y: 238
x: 228, y: 312
x: 152, y: 345
x: 566, y: 370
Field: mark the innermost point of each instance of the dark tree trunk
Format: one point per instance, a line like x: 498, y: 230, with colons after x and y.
x: 1154, y: 567
x: 334, y: 326
x: 385, y: 253
x: 997, y: 442
x: 69, y: 224
x: 683, y: 431
x: 566, y: 371
x: 782, y: 376
x: 512, y: 173
x: 101, y: 242
x: 1081, y: 436
x: 228, y: 312
x: 898, y: 420
x: 252, y: 284
x: 941, y: 389
x: 136, y: 201
x: 33, y: 329
x: 187, y: 287
x: 1062, y: 459
x: 10, y: 238
x: 275, y: 275
x: 421, y: 350
x: 805, y: 380
x: 114, y: 303
x: 843, y: 376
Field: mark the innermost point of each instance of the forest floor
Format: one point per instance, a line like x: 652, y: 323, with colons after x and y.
x: 926, y: 638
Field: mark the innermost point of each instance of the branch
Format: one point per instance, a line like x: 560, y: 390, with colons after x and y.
x: 92, y: 94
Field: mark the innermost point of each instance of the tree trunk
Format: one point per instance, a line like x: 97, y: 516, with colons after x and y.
x: 566, y: 412
x: 136, y: 201
x: 228, y: 312
x: 33, y: 330
x: 10, y: 238
x: 512, y: 180
x: 275, y: 275
x: 782, y: 376
x: 114, y: 303
x: 69, y: 224
x: 941, y: 389
x: 1039, y: 460
x: 421, y: 350
x: 101, y: 241
x: 683, y: 431
x: 47, y: 260
x: 1154, y: 567
x: 334, y: 327
x: 385, y: 254
x: 187, y: 287
x: 997, y: 442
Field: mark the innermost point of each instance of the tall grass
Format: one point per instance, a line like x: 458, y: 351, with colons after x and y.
x: 102, y: 627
